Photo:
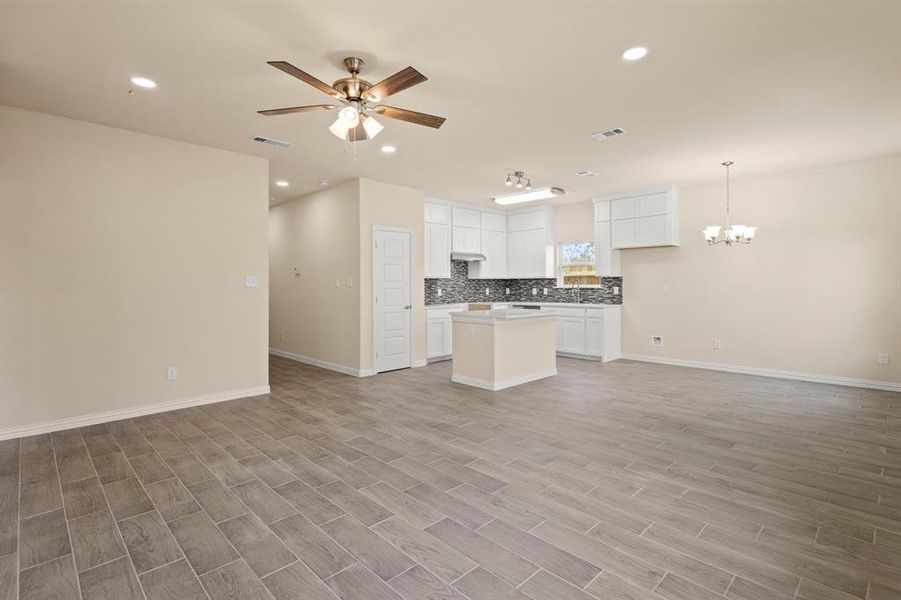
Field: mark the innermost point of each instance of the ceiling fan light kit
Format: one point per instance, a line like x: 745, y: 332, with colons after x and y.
x: 358, y: 100
x: 732, y: 234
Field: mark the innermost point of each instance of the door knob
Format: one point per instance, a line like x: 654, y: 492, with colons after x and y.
x: 407, y: 307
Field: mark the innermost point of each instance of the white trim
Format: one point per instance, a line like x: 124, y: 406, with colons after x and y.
x: 322, y: 364
x: 127, y: 413
x: 890, y: 386
x: 420, y: 363
x: 375, y: 332
x: 500, y: 385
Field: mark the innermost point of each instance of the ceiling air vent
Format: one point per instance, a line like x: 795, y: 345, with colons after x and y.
x: 602, y: 135
x: 585, y: 173
x: 271, y: 141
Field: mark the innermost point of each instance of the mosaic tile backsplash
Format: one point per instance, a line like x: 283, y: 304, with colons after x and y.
x: 459, y: 288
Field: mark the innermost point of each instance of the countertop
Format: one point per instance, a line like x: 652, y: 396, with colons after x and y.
x: 501, y: 315
x: 549, y: 304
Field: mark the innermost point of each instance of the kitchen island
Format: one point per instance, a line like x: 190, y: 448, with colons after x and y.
x: 497, y: 349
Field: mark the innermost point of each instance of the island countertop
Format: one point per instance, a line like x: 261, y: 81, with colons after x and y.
x: 501, y: 315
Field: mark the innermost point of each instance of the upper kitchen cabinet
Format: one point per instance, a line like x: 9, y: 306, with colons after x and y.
x: 467, y: 226
x: 493, y: 247
x: 530, y: 243
x: 437, y: 240
x: 608, y: 259
x: 642, y: 219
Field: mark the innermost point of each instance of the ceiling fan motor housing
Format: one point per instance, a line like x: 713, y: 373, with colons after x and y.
x: 352, y: 87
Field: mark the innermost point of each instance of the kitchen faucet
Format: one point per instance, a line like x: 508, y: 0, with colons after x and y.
x: 577, y: 291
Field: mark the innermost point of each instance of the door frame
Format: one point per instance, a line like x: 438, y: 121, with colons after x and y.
x: 375, y: 328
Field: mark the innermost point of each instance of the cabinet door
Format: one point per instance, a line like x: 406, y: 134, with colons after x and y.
x: 437, y: 213
x: 571, y: 335
x: 437, y: 239
x: 448, y: 348
x: 594, y: 336
x: 527, y: 251
x: 467, y: 217
x: 608, y: 259
x: 652, y: 231
x: 494, y: 247
x: 494, y: 222
x: 466, y: 239
x: 624, y: 233
x: 435, y: 338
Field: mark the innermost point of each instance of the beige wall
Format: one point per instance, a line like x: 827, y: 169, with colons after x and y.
x: 819, y: 290
x: 574, y: 222
x: 122, y: 254
x: 394, y: 206
x: 319, y: 235
x: 328, y: 236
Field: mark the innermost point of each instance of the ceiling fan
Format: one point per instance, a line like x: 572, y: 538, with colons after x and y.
x: 360, y: 100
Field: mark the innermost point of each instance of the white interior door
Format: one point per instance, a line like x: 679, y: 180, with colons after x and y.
x: 392, y: 310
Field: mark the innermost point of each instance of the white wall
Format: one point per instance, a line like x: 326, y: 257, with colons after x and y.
x: 319, y: 235
x: 122, y: 254
x: 819, y: 290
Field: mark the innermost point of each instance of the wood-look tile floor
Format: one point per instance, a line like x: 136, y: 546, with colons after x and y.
x: 614, y: 481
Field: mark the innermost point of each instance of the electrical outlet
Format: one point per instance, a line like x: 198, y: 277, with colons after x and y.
x: 534, y: 291
x: 349, y: 282
x: 717, y: 344
x: 487, y: 291
x: 657, y: 341
x: 251, y: 281
x: 172, y: 373
x: 282, y: 335
x: 545, y: 291
x: 506, y: 291
x: 616, y: 289
x: 440, y: 292
x: 883, y: 358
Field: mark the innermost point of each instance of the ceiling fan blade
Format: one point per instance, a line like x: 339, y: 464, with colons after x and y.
x: 410, y: 116
x: 306, y: 78
x: 394, y: 84
x: 296, y: 109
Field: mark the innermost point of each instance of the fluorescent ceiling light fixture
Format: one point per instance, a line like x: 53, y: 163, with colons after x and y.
x: 389, y: 149
x: 281, y: 183
x: 635, y: 53
x: 323, y: 183
x: 143, y: 82
x: 539, y: 194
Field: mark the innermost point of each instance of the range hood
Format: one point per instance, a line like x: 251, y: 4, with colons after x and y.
x: 467, y: 256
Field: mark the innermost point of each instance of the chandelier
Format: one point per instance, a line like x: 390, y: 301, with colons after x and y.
x: 519, y: 179
x: 733, y: 234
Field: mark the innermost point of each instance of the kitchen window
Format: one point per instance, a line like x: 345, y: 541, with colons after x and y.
x: 577, y: 264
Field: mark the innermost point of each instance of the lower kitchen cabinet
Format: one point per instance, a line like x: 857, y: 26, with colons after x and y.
x: 439, y: 331
x: 571, y: 335
x: 589, y: 332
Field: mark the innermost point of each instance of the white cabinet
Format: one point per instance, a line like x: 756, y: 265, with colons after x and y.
x: 467, y: 217
x: 437, y: 250
x: 593, y: 333
x: 494, y: 247
x: 608, y: 260
x: 437, y: 213
x: 571, y: 335
x: 530, y: 244
x: 467, y: 239
x: 494, y: 222
x: 439, y: 331
x: 644, y: 219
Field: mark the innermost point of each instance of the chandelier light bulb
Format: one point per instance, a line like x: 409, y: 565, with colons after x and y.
x: 350, y: 116
x: 339, y: 128
x: 371, y: 126
x: 529, y: 184
x: 519, y: 182
x: 509, y: 181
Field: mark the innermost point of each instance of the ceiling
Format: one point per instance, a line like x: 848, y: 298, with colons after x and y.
x: 772, y: 86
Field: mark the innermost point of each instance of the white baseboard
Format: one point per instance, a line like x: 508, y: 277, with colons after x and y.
x: 420, y: 363
x: 500, y: 385
x: 762, y: 372
x: 308, y: 360
x: 127, y: 413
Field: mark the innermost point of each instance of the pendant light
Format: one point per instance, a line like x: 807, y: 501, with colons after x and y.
x: 733, y: 234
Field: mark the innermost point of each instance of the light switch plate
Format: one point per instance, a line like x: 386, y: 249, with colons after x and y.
x: 616, y: 289
x: 349, y: 282
x: 172, y: 373
x: 883, y: 358
x: 252, y: 281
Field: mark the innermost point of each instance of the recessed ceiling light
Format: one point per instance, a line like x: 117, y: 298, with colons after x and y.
x: 635, y: 53
x: 389, y: 149
x: 281, y: 183
x: 143, y: 82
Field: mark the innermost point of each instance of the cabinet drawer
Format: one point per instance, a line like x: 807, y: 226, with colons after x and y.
x: 444, y: 312
x: 594, y: 313
x: 566, y: 311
